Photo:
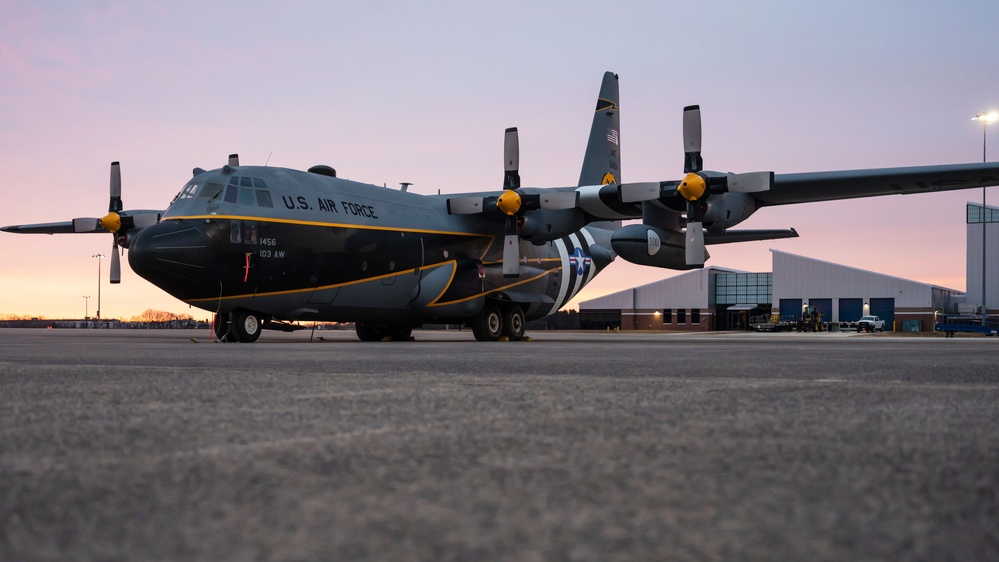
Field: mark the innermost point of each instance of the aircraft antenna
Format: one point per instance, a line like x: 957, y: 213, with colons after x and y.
x: 268, y: 158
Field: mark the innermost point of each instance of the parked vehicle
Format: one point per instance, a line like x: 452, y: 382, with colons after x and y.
x: 870, y: 324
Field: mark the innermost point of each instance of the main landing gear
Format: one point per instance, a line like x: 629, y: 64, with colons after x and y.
x: 238, y: 326
x: 498, y: 320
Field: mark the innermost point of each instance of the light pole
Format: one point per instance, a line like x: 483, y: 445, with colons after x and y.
x: 985, y: 118
x: 99, y: 258
x: 86, y: 307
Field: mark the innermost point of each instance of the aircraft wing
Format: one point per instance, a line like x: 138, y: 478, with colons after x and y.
x: 850, y: 184
x: 44, y: 228
x: 137, y: 219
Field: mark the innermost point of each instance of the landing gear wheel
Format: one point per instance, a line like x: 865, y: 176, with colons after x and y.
x: 488, y: 324
x: 247, y: 326
x: 221, y: 326
x: 514, y: 323
x: 368, y: 333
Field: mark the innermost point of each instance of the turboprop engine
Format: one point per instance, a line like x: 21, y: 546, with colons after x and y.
x: 649, y: 245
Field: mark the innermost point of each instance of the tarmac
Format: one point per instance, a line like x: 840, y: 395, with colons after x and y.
x: 163, y: 445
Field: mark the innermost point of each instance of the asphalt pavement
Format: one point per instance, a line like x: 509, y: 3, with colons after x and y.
x: 162, y: 445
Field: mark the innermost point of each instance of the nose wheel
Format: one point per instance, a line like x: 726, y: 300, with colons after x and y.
x: 241, y: 326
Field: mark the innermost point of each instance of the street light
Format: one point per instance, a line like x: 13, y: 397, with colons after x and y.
x: 86, y: 307
x: 985, y: 118
x: 99, y: 258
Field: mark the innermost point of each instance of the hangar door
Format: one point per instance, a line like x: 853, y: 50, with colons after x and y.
x: 884, y: 309
x: 850, y: 310
x: 791, y: 307
x: 824, y: 306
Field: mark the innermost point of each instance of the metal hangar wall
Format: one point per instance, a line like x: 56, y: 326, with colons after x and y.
x: 715, y: 298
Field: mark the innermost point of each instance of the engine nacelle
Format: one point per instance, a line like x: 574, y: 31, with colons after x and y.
x: 545, y: 225
x: 649, y: 245
x: 725, y: 210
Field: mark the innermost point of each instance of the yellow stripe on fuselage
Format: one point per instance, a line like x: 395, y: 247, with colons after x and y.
x: 330, y: 224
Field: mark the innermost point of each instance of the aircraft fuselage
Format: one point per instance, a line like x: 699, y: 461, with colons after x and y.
x: 296, y: 245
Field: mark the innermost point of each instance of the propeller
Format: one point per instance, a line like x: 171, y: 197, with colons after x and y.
x: 696, y: 188
x: 116, y: 221
x: 693, y: 186
x: 513, y: 203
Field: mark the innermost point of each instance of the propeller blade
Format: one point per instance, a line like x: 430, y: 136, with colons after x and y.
x: 115, y: 205
x: 144, y: 220
x: 511, y: 255
x: 234, y: 159
x: 86, y: 225
x: 692, y: 139
x: 750, y: 182
x: 511, y: 248
x: 695, y: 243
x: 465, y: 205
x: 115, y: 265
x: 638, y: 192
x: 511, y: 159
x: 559, y: 200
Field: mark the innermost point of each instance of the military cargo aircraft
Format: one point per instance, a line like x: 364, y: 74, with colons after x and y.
x: 261, y: 246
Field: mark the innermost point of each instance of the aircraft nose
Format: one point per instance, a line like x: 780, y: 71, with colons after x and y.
x: 174, y: 255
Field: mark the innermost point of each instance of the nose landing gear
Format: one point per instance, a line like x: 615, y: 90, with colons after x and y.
x: 241, y: 326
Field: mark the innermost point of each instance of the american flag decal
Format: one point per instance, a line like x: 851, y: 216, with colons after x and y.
x: 612, y: 135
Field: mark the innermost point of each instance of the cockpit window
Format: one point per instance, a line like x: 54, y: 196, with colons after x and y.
x: 246, y: 196
x: 212, y: 190
x: 240, y: 190
x: 264, y: 198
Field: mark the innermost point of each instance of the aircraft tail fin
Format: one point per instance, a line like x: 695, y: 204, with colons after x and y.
x: 602, y: 161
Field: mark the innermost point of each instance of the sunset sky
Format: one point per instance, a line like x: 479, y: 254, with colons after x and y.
x: 392, y: 91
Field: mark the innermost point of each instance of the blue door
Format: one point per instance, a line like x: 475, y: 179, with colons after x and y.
x: 850, y: 310
x: 824, y: 306
x: 884, y: 309
x: 791, y: 307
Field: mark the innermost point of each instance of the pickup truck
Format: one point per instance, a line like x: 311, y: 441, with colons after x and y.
x: 870, y: 324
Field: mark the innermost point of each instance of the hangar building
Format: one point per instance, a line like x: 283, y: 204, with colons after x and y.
x: 715, y: 298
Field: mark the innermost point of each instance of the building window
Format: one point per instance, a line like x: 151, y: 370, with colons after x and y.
x: 681, y: 316
x: 695, y: 316
x: 743, y: 288
x: 975, y: 214
x: 668, y: 316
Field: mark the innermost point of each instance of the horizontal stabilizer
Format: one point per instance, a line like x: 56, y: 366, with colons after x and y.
x: 731, y: 236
